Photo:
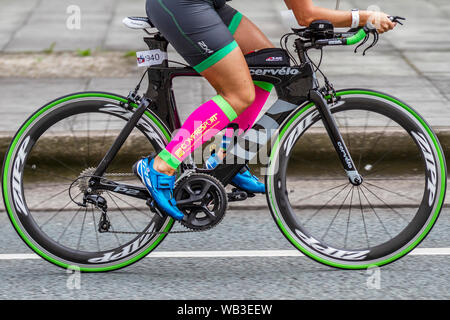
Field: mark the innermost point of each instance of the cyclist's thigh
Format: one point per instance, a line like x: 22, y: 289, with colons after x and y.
x: 201, y: 34
x: 250, y: 38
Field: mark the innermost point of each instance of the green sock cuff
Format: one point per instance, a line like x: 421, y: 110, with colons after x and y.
x: 226, y: 107
x: 267, y: 86
x: 168, y: 158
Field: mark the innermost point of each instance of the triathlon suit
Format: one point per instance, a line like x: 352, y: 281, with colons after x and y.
x: 202, y: 33
x: 200, y: 30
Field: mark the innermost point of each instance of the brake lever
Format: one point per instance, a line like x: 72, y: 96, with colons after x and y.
x: 362, y: 43
x: 375, y: 41
x: 376, y: 36
x: 397, y: 19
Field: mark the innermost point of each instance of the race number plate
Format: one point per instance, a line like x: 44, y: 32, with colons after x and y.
x: 150, y: 58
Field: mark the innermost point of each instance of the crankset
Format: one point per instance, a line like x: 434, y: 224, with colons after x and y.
x: 203, y: 199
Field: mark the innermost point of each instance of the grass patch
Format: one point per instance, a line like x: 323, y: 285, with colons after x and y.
x: 50, y: 49
x: 130, y: 54
x: 84, y: 53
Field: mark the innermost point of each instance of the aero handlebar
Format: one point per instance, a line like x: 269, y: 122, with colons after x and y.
x: 350, y: 38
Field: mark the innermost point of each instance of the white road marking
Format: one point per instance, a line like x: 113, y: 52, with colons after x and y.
x: 231, y: 254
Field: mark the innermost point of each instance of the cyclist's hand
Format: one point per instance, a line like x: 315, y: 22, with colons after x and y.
x: 382, y: 22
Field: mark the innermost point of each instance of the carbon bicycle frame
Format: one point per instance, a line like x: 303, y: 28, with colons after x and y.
x: 294, y: 86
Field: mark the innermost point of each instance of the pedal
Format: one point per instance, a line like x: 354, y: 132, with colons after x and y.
x: 152, y: 205
x: 239, y: 195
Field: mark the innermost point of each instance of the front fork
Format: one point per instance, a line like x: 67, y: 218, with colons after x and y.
x: 336, y: 137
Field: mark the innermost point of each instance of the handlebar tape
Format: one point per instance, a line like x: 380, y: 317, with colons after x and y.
x: 359, y: 36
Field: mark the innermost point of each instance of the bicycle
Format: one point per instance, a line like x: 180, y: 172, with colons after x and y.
x: 394, y: 208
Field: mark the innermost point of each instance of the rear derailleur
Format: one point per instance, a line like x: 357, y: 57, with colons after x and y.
x: 104, y: 225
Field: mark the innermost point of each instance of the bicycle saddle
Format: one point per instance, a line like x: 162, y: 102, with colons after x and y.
x: 138, y: 23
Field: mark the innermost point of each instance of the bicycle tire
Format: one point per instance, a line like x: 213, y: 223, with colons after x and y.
x: 16, y: 205
x: 410, y: 237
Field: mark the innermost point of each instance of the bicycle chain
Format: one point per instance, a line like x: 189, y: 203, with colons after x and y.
x: 119, y: 174
x: 156, y: 232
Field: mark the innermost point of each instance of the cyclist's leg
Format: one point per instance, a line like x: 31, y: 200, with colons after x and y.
x: 201, y: 35
x: 198, y: 33
x: 232, y: 81
x: 250, y: 38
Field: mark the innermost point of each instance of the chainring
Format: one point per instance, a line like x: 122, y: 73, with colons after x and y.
x: 203, y: 199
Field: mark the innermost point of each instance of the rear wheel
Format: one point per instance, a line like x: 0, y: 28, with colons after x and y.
x: 61, y: 143
x: 346, y: 226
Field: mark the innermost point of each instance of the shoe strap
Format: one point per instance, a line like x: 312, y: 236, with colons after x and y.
x: 165, y: 182
x: 245, y: 169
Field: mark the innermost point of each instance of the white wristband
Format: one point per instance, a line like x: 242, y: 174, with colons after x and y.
x: 355, y: 18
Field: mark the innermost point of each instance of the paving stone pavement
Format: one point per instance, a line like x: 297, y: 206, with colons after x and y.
x: 412, y: 62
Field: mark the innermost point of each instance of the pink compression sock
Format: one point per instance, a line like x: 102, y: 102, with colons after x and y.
x: 204, y: 123
x: 247, y: 118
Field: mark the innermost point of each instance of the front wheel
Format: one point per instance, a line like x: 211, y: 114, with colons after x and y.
x: 45, y: 175
x: 353, y: 227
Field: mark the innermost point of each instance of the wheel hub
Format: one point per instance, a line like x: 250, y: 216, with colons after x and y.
x: 83, y: 181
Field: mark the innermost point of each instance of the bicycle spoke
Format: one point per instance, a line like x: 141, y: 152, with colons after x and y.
x: 376, y: 214
x: 398, y: 213
x: 72, y: 133
x: 377, y: 162
x: 393, y: 179
x: 318, y: 210
x: 88, y: 137
x: 70, y: 222
x: 64, y: 165
x: 49, y: 173
x: 50, y: 198
x: 319, y: 166
x: 115, y: 235
x: 348, y: 219
x: 126, y: 202
x: 95, y: 228
x: 82, y: 227
x: 382, y: 135
x: 337, y: 213
x: 106, y: 130
x: 319, y: 193
x: 44, y: 185
x: 387, y: 190
x: 126, y: 218
x: 51, y: 218
x: 364, y: 220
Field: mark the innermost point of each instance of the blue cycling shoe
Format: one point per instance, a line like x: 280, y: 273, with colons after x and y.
x: 159, y: 185
x: 244, y: 180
